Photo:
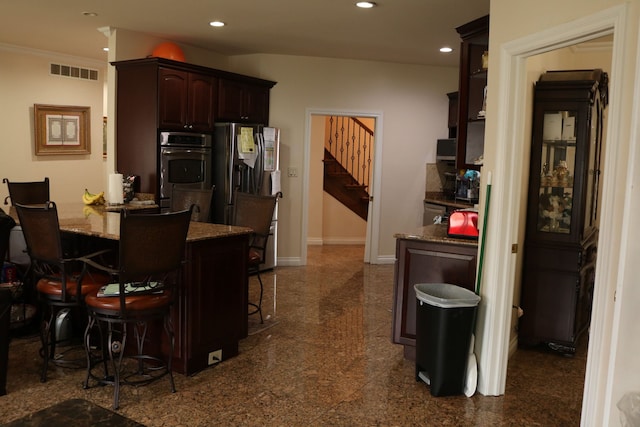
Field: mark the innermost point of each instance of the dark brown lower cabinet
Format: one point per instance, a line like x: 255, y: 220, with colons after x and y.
x: 557, y: 294
x: 211, y: 313
x: 419, y: 261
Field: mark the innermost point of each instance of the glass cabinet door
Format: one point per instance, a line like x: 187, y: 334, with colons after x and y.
x: 558, y: 165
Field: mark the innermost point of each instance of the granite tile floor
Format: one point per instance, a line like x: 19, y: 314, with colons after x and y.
x: 324, y: 357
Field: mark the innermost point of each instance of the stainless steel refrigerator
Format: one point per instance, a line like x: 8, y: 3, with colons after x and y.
x: 246, y: 158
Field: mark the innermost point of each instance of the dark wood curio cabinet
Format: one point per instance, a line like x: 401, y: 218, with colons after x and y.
x: 562, y: 208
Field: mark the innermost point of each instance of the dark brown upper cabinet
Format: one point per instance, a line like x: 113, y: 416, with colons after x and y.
x: 242, y: 101
x: 186, y: 100
x: 472, y: 93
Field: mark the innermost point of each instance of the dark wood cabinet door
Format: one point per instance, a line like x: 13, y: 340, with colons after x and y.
x: 202, y: 91
x: 550, y: 288
x: 426, y: 262
x: 230, y: 100
x: 243, y: 102
x: 257, y: 104
x: 172, y: 95
x: 186, y: 100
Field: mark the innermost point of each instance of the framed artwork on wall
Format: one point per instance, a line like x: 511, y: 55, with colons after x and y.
x: 62, y: 129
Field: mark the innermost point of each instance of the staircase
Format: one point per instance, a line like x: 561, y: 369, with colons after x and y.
x: 347, y: 162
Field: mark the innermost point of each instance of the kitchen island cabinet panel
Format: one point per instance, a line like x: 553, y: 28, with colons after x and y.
x: 424, y: 261
x: 212, y: 310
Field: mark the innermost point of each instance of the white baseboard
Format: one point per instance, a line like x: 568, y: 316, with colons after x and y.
x: 513, y: 345
x: 289, y: 262
x: 319, y: 241
x: 297, y: 261
x: 344, y: 241
x: 385, y: 259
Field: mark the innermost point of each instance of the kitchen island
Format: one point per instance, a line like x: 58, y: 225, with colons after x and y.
x: 210, y: 315
x: 427, y: 255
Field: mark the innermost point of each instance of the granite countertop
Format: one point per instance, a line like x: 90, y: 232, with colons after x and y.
x: 436, y: 233
x: 439, y: 198
x: 104, y: 221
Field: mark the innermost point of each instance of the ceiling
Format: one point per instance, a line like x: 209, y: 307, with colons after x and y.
x: 400, y: 31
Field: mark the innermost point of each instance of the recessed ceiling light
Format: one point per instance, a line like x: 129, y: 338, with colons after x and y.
x: 446, y: 49
x: 366, y: 4
x: 89, y: 14
x: 216, y: 23
x: 106, y: 49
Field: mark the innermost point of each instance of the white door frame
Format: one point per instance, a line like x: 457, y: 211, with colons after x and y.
x: 373, y: 219
x: 505, y: 214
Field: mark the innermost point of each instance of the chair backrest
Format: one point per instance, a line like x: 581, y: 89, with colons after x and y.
x: 182, y: 199
x: 41, y: 231
x: 255, y: 212
x: 152, y: 245
x: 27, y: 193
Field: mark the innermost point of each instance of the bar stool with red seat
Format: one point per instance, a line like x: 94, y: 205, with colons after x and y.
x: 151, y: 252
x: 60, y: 282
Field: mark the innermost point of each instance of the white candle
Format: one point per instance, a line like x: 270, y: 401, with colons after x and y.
x: 116, y: 194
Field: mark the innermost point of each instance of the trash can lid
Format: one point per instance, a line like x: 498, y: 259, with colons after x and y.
x: 445, y: 295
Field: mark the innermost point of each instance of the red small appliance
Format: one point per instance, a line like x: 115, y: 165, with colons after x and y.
x: 463, y: 224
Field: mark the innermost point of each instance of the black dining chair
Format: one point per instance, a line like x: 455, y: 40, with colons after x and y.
x: 151, y: 252
x: 182, y: 198
x: 255, y: 212
x: 60, y: 282
x: 27, y: 193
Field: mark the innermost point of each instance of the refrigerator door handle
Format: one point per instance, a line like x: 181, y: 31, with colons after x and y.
x: 259, y: 166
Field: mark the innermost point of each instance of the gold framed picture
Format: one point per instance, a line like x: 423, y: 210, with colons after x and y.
x: 62, y: 129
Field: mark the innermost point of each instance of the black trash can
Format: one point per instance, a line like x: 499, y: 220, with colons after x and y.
x: 445, y: 316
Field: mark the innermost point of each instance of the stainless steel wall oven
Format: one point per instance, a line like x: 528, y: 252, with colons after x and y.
x: 185, y: 161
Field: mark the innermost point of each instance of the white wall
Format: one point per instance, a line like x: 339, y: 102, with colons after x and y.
x: 25, y: 81
x: 414, y: 105
x: 340, y: 226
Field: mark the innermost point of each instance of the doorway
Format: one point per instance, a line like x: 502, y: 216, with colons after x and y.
x: 591, y: 54
x: 507, y: 161
x: 314, y: 197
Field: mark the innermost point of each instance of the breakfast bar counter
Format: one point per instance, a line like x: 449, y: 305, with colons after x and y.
x: 210, y: 315
x: 435, y: 233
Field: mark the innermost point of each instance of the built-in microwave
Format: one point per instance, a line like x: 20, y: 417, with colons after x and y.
x: 185, y: 139
x: 446, y: 150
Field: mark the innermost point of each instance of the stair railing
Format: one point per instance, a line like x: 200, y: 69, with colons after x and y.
x: 350, y: 142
